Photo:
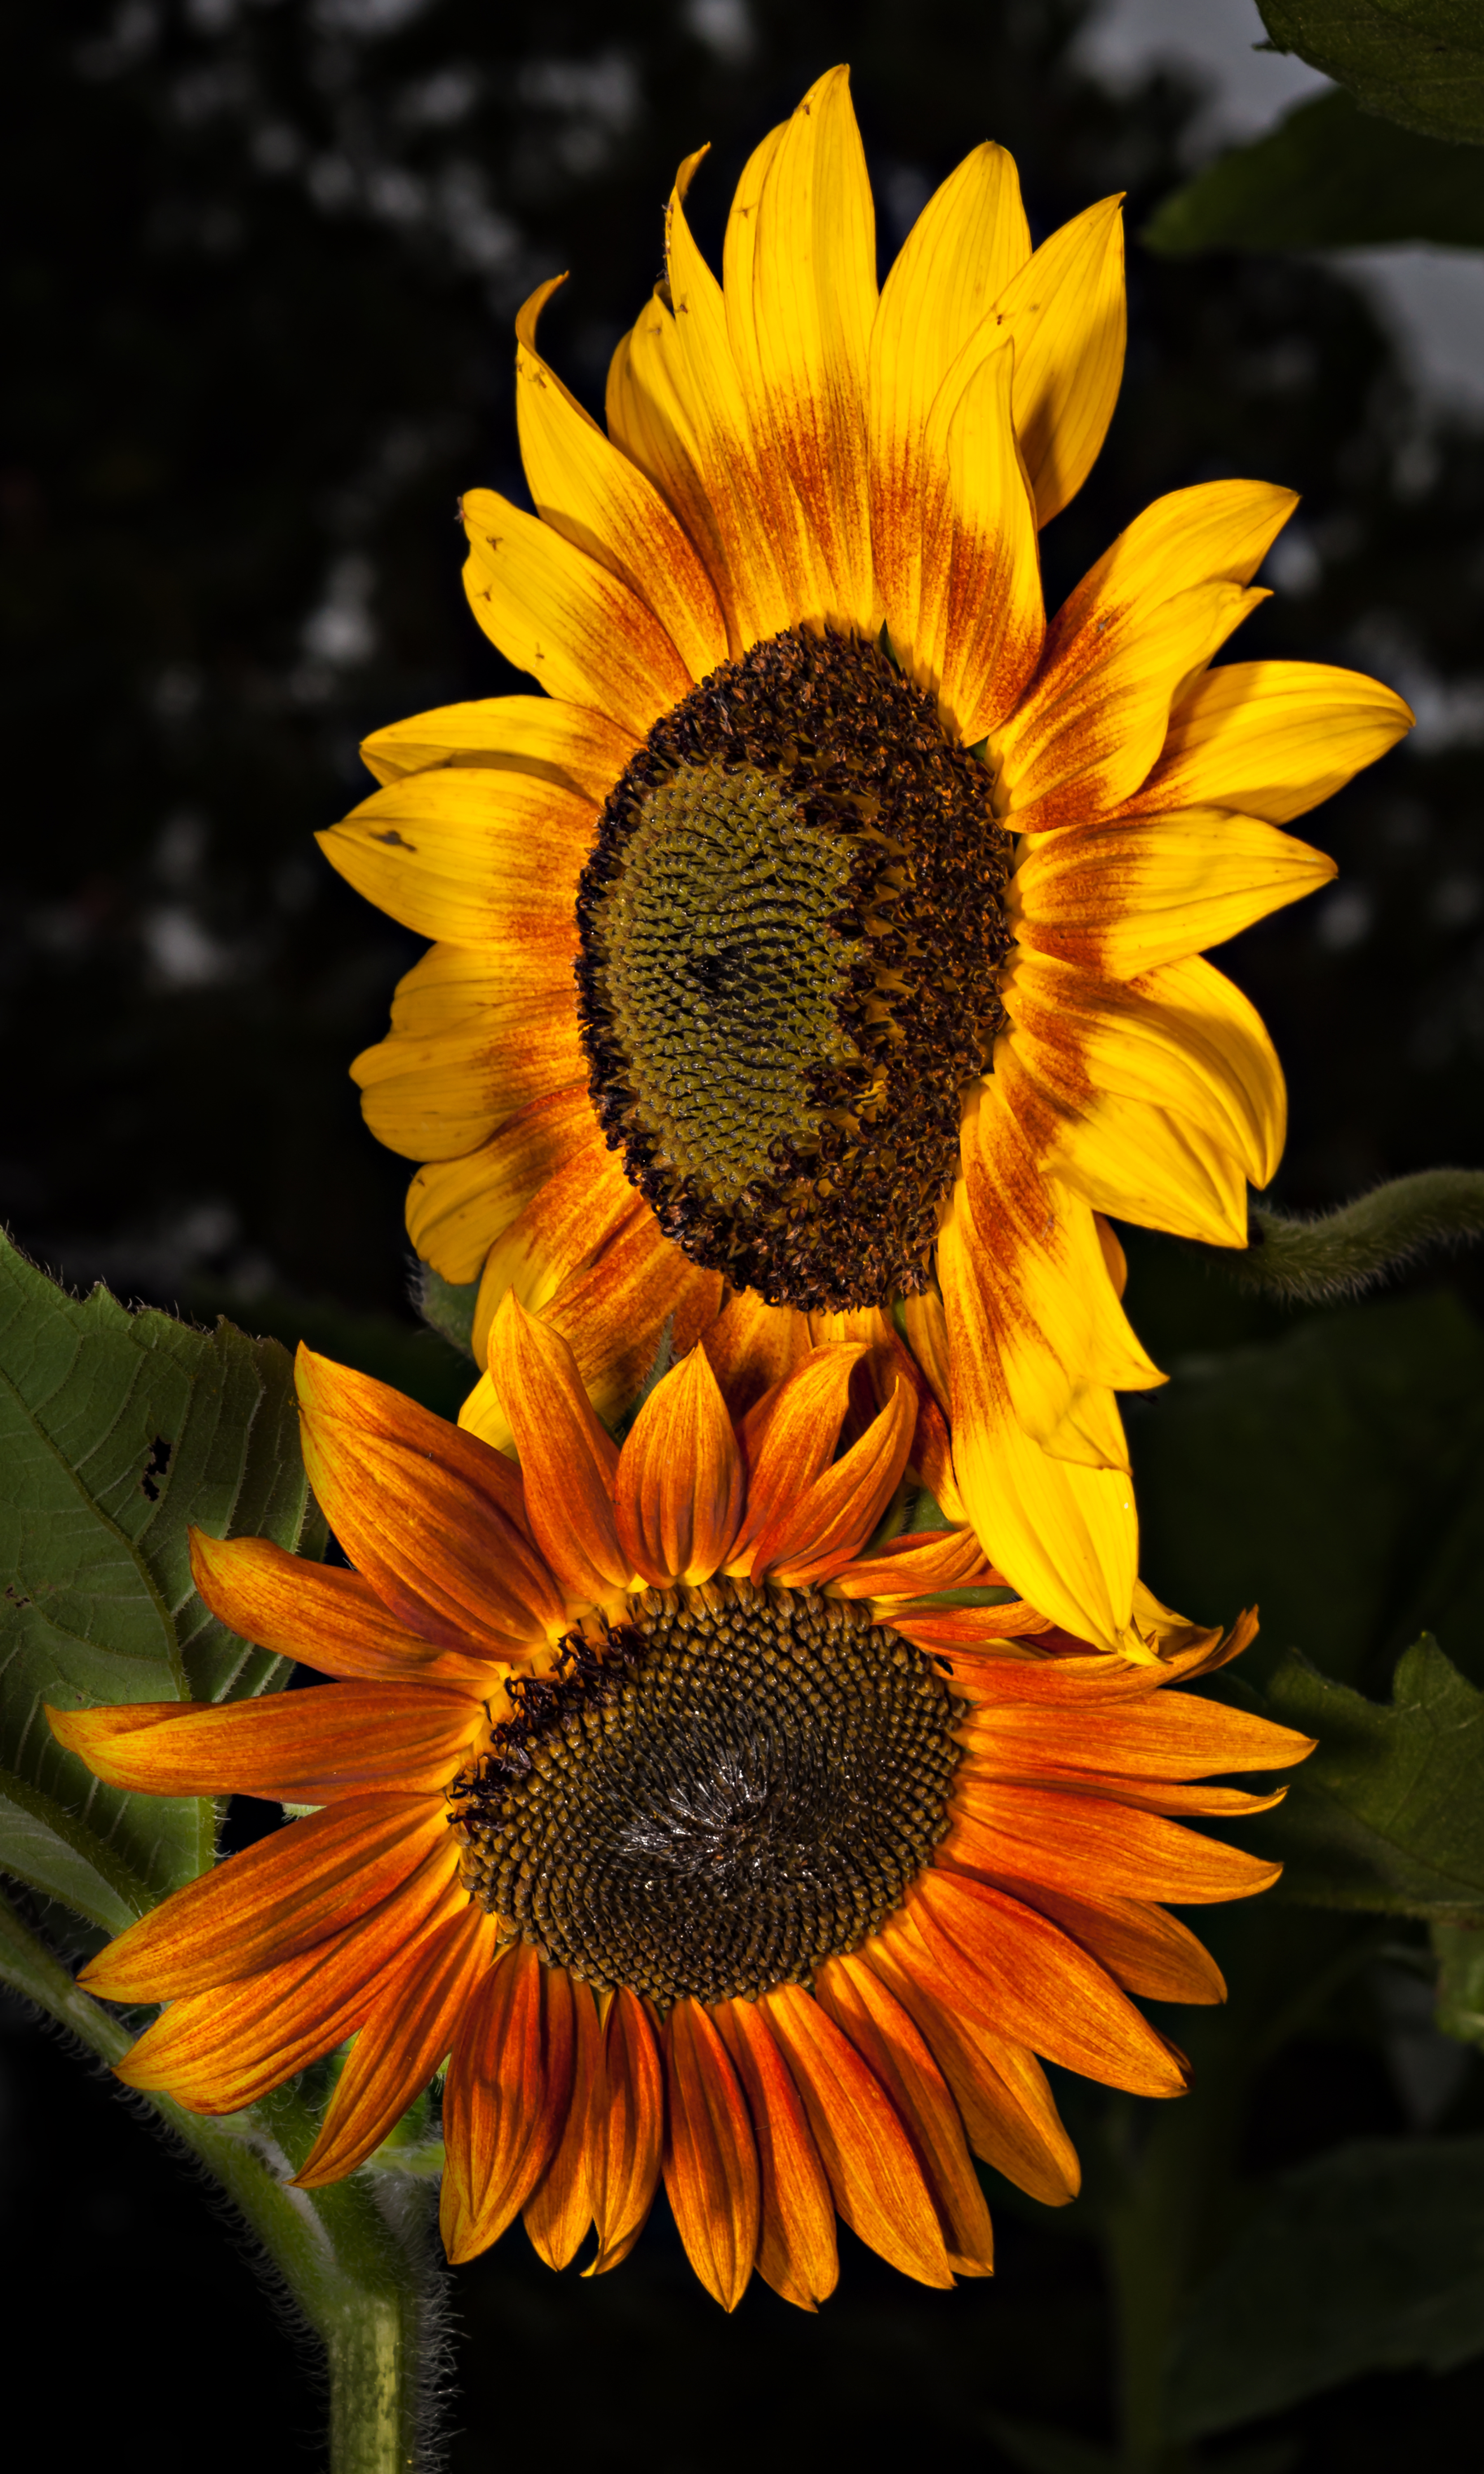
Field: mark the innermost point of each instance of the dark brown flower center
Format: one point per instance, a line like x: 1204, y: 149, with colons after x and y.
x: 729, y: 1788
x: 792, y: 929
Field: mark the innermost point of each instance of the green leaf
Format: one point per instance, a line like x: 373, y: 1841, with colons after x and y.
x: 118, y: 1431
x: 1417, y: 61
x: 1459, y: 1951
x: 1388, y: 1814
x: 1371, y: 2258
x: 1333, y: 1477
x: 1328, y: 177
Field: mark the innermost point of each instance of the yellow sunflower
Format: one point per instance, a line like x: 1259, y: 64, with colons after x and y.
x: 828, y: 933
x: 703, y: 1845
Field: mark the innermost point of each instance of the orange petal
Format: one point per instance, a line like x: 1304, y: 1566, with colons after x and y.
x: 628, y: 2121
x: 789, y: 1438
x: 876, y: 2180
x: 1033, y: 1986
x: 710, y: 2156
x: 505, y: 2098
x: 1000, y: 2088
x: 559, y: 2209
x: 432, y: 1516
x: 406, y: 2036
x: 1147, y: 1952
x: 914, y: 1566
x: 797, y: 2254
x: 221, y: 2050
x: 568, y: 1461
x: 889, y: 2046
x: 330, y: 1619
x: 1172, y: 1736
x: 305, y: 1747
x: 753, y: 1346
x: 678, y: 1496
x: 556, y: 613
x: 806, y: 1542
x: 1069, y: 1840
x: 282, y: 1895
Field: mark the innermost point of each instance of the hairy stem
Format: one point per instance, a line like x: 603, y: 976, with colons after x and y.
x: 1342, y: 1253
x: 354, y: 2258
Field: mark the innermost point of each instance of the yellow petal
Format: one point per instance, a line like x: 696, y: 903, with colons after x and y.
x: 1064, y: 1535
x: 556, y: 613
x: 436, y: 1099
x: 1271, y: 739
x: 800, y: 337
x: 564, y: 743
x: 1123, y: 898
x: 602, y: 504
x: 467, y: 852
x: 1065, y: 313
x: 458, y: 1207
x: 981, y: 618
x: 969, y: 240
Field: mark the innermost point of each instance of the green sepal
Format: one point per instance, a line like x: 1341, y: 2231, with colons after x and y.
x: 1417, y: 61
x: 446, y: 1309
x: 118, y: 1432
x: 1459, y: 1951
x: 1329, y: 176
x: 1388, y: 1814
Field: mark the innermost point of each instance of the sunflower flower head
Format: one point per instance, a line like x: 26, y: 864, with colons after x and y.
x: 825, y: 941
x: 710, y: 1836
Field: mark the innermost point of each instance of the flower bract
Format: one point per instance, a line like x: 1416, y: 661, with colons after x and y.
x: 709, y: 1837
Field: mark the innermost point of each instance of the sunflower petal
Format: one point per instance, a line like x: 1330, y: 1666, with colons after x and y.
x: 433, y: 1517
x: 678, y: 1493
x: 329, y: 1619
x: 790, y: 1437
x: 444, y: 1099
x: 806, y: 1542
x: 753, y: 1346
x: 1126, y: 898
x: 797, y: 2252
x: 471, y: 854
x: 601, y: 502
x: 875, y: 2178
x: 566, y: 744
x: 983, y: 619
x: 1144, y: 1949
x: 1066, y: 314
x: 559, y: 2212
x: 1170, y: 1736
x: 1070, y: 1838
x: 567, y: 1460
x: 1271, y: 739
x: 455, y: 1207
x: 553, y: 611
x: 306, y: 1747
x: 971, y: 238
x: 627, y: 2116
x: 405, y: 2035
x: 710, y: 2156
x: 505, y: 2098
x: 889, y: 2046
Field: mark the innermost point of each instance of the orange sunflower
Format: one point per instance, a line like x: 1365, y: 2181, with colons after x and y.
x: 828, y: 933
x: 681, y: 1819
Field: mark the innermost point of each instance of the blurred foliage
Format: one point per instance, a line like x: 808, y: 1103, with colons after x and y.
x: 264, y: 261
x: 1419, y: 61
x: 1328, y: 175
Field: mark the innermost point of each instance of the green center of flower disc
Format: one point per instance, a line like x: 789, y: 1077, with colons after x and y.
x: 792, y: 929
x: 731, y: 1787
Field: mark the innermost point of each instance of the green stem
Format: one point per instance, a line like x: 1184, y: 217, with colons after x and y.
x: 354, y: 2259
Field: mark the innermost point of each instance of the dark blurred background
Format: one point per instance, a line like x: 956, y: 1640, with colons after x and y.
x: 262, y: 263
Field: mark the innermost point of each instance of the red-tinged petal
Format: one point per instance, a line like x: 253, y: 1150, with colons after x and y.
x: 917, y: 1565
x: 627, y: 2120
x: 1175, y: 1735
x: 1000, y: 2088
x: 559, y: 2212
x: 969, y: 1637
x: 327, y: 1618
x: 505, y: 2098
x: 678, y: 1493
x: 797, y: 2252
x: 430, y: 1514
x: 889, y: 2046
x: 457, y: 1208
x: 753, y: 1348
x: 876, y: 2180
x: 568, y: 1461
x: 1148, y: 1952
x: 710, y: 2156
x: 830, y: 1521
x: 305, y: 1747
x: 789, y: 1438
x: 1033, y: 1986
x: 1068, y: 1839
x: 283, y: 1895
x: 406, y: 2035
x: 219, y: 2050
